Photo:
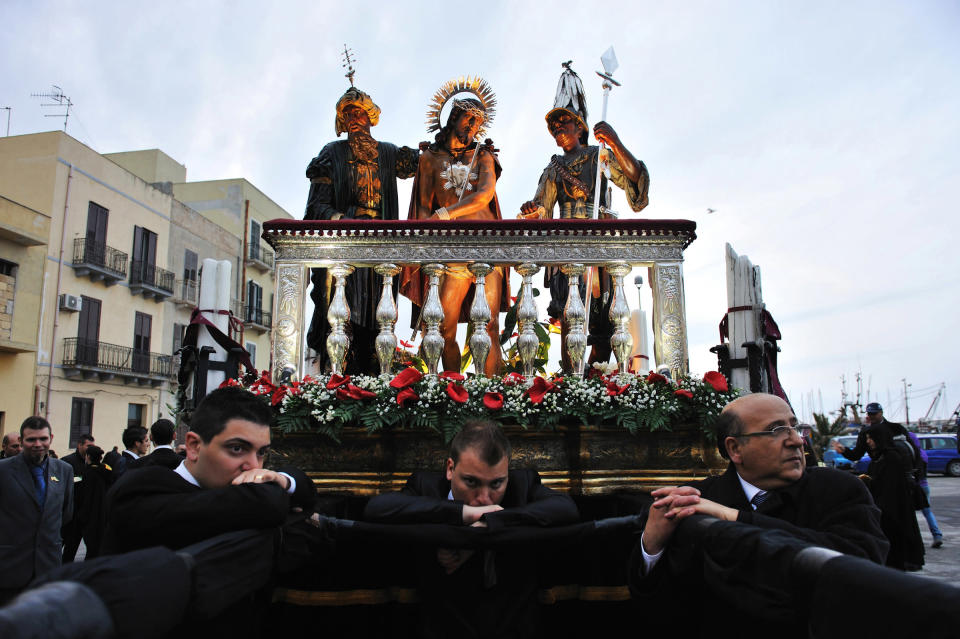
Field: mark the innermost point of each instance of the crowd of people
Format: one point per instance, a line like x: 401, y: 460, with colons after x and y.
x: 212, y: 517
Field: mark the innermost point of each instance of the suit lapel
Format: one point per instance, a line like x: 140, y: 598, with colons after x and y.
x: 55, y: 485
x: 24, y: 477
x: 443, y: 486
x: 731, y: 491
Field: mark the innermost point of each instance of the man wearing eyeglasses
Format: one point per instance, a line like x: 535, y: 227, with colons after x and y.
x: 766, y: 485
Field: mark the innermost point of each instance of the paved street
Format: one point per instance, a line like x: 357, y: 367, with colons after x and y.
x: 944, y: 562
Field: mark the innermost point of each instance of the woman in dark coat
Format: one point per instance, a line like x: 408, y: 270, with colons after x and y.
x: 95, y: 479
x: 892, y: 485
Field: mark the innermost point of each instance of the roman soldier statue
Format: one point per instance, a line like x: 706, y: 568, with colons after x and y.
x: 568, y: 182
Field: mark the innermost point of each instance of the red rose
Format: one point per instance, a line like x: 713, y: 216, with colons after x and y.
x: 407, y: 377
x: 656, y: 377
x: 493, y: 401
x: 455, y: 376
x: 337, y: 381
x: 682, y: 392
x: 278, y: 396
x: 406, y: 395
x: 717, y: 380
x: 540, y: 388
x: 593, y: 372
x: 308, y: 380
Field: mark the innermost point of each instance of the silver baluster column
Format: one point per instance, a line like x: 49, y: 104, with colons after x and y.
x: 480, y: 316
x: 386, y: 342
x: 621, y: 342
x: 432, y: 315
x: 528, y: 341
x: 574, y: 314
x: 338, y: 314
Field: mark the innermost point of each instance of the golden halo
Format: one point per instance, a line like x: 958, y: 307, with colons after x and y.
x: 477, y: 86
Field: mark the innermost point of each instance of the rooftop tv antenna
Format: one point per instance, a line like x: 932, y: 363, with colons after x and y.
x: 348, y: 60
x: 8, y: 110
x: 57, y: 99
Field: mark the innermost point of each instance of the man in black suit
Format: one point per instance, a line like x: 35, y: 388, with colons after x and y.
x: 161, y: 434
x: 467, y: 592
x: 135, y: 444
x: 220, y: 487
x: 766, y: 485
x: 76, y: 458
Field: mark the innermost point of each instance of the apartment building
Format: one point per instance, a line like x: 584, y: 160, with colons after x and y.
x: 240, y: 208
x: 23, y: 252
x: 106, y: 264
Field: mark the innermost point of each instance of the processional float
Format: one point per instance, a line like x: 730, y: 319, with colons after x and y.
x: 582, y: 459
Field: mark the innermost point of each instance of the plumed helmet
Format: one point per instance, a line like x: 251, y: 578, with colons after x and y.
x: 355, y: 97
x: 570, y: 99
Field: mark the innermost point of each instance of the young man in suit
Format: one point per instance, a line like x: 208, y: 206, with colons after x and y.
x: 36, y: 499
x: 135, y: 444
x: 220, y: 487
x: 494, y: 594
x: 161, y: 434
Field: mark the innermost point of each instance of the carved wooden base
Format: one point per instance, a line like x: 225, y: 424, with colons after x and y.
x: 578, y: 460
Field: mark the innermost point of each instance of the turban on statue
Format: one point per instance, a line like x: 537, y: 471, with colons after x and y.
x: 356, y: 97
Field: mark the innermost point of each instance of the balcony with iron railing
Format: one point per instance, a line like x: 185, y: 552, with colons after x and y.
x: 99, y: 262
x: 89, y: 359
x: 260, y: 257
x: 186, y: 293
x: 150, y: 280
x: 256, y: 319
x: 527, y: 246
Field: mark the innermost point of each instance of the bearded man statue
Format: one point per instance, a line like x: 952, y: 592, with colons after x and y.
x: 354, y: 179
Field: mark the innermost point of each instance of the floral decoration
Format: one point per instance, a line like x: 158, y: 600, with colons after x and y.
x: 328, y: 403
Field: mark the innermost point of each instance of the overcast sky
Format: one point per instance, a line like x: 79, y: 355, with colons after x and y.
x: 825, y: 135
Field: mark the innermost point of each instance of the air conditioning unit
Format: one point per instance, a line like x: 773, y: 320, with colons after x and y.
x: 70, y: 302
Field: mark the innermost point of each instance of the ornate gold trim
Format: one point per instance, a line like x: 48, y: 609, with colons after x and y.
x: 557, y: 594
x: 360, y: 597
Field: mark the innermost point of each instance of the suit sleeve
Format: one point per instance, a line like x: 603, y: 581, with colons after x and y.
x: 305, y: 494
x: 416, y: 503
x: 850, y: 522
x: 542, y: 506
x: 151, y: 508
